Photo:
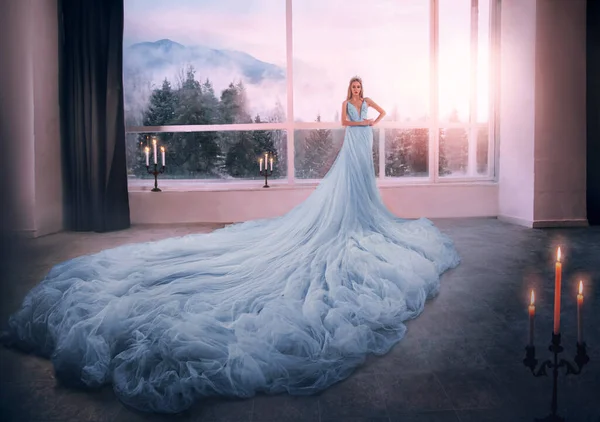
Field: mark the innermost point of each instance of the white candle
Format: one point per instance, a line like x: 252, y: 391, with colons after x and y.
x: 271, y: 161
x: 531, y: 318
x: 266, y: 160
x: 155, y: 154
x: 557, y: 288
x: 147, y: 150
x: 579, y: 321
x: 162, y: 150
x: 260, y: 164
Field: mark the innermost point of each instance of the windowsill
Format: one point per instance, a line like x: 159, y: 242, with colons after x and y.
x: 193, y: 185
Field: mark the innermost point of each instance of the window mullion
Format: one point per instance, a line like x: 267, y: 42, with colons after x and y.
x: 290, y: 92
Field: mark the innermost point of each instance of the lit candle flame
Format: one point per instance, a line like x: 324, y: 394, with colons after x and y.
x: 147, y: 149
x: 558, y: 255
x: 532, y: 297
x: 580, y: 287
x: 154, y: 141
x: 162, y: 149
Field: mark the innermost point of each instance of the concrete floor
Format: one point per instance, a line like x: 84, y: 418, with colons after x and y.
x: 460, y: 361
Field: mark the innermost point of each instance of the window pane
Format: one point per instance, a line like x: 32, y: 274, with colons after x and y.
x: 454, y: 60
x: 407, y: 152
x: 316, y: 150
x: 225, y: 156
x: 454, y: 152
x: 386, y: 42
x: 204, y: 62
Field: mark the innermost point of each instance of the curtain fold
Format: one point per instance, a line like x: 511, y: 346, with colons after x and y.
x: 92, y: 115
x: 593, y: 112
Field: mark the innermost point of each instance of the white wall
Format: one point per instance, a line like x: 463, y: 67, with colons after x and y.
x: 30, y: 115
x: 517, y: 110
x: 542, y: 113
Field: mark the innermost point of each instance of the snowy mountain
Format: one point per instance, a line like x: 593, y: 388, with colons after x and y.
x: 154, y: 57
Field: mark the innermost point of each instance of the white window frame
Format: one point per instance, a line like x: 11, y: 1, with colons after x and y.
x: 433, y: 124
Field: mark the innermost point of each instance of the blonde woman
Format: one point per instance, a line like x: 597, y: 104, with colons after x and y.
x: 360, y: 104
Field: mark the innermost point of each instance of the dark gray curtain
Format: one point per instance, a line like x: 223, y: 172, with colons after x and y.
x: 593, y: 112
x: 92, y: 117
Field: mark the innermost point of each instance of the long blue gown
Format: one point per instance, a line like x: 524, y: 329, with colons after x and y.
x: 288, y: 304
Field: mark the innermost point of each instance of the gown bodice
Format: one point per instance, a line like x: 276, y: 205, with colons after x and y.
x: 354, y: 114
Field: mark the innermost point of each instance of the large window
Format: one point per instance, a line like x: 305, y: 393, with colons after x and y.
x: 385, y: 42
x: 219, y: 83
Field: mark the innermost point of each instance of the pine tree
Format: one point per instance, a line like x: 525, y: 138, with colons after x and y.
x: 211, y: 116
x: 263, y: 142
x: 317, y: 150
x: 376, y: 134
x: 228, y: 107
x: 242, y: 101
x: 198, y: 153
x: 454, y: 144
x: 241, y: 158
x: 163, y: 103
x: 407, y: 153
x: 443, y: 161
x: 418, y: 151
x: 279, y: 137
x: 160, y: 112
x: 233, y: 106
x: 397, y: 153
x: 136, y: 155
x: 211, y: 104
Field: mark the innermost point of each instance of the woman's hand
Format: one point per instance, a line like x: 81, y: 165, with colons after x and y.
x: 381, y: 111
x: 369, y: 122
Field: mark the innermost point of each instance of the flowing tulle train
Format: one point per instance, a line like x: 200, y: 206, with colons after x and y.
x: 289, y: 304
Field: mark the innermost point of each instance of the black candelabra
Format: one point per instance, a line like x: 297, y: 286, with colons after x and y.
x: 581, y: 358
x: 155, y: 172
x: 266, y: 172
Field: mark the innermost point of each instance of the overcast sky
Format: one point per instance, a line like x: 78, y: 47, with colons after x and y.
x: 384, y: 41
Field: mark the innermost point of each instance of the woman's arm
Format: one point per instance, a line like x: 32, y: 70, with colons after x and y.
x: 346, y: 122
x: 381, y: 111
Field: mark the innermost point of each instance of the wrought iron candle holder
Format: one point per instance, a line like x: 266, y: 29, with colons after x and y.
x: 266, y: 172
x: 155, y: 172
x: 581, y: 359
